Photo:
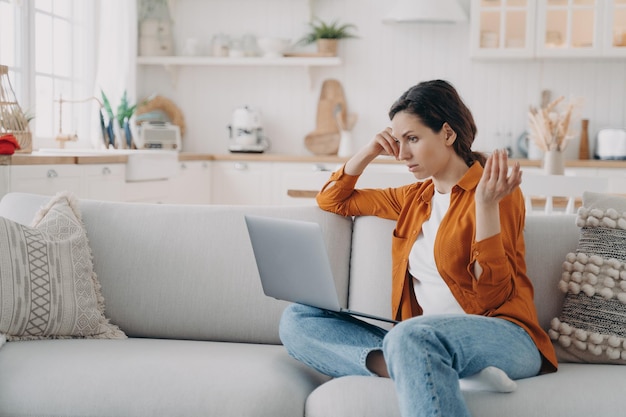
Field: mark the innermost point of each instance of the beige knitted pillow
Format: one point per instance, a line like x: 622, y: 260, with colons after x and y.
x: 592, y: 324
x: 48, y: 288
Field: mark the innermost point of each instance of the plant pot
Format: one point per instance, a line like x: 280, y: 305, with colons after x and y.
x: 327, y: 46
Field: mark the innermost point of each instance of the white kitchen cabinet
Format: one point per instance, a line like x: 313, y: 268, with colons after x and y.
x: 104, y: 181
x: 614, y: 37
x: 293, y: 182
x: 502, y: 28
x: 617, y: 179
x: 548, y: 28
x: 192, y: 185
x: 241, y: 182
x: 46, y: 179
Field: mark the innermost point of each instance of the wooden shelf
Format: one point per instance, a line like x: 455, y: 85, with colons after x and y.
x: 249, y: 61
x: 171, y: 64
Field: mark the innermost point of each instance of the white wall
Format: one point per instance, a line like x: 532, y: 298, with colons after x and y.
x: 377, y: 68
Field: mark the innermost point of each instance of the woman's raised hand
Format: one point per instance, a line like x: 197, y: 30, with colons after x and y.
x: 497, y: 182
x: 384, y: 144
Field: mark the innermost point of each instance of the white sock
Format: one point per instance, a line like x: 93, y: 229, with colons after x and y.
x: 489, y: 379
x: 3, y: 339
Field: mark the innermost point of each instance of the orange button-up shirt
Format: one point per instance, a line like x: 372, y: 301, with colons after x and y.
x: 503, y: 290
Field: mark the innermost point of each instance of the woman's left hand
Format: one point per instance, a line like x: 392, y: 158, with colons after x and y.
x: 496, y: 182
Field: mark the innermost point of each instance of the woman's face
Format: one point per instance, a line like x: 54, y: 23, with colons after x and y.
x: 425, y: 152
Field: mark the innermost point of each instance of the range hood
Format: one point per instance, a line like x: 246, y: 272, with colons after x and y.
x: 426, y: 11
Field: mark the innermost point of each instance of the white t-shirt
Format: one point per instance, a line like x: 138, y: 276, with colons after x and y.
x: 433, y: 294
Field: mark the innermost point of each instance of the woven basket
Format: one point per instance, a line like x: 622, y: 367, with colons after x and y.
x: 12, y: 118
x: 25, y: 139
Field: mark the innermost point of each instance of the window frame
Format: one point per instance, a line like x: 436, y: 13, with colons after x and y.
x: 23, y: 73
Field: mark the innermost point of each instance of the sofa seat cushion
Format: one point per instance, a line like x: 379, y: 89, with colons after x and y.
x: 557, y: 394
x: 151, y: 377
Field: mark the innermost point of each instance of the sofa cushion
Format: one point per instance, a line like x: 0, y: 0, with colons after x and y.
x: 592, y: 324
x: 48, y: 285
x: 150, y: 377
x: 558, y: 394
x: 188, y: 272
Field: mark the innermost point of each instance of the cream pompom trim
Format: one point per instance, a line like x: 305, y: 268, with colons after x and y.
x: 596, y: 217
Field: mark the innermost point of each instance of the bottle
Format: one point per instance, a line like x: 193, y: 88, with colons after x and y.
x: 583, y: 148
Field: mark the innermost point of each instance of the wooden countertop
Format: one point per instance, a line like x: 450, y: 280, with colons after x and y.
x: 30, y: 159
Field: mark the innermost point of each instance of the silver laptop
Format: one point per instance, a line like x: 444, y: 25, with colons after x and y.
x: 293, y: 263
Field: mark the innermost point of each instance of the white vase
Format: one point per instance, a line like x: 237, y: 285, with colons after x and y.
x: 554, y: 162
x: 345, y: 145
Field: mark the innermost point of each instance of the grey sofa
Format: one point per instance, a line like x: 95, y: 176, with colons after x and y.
x: 203, y: 339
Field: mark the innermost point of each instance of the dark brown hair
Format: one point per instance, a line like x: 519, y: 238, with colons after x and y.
x: 435, y: 103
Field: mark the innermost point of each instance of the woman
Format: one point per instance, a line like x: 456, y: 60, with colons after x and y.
x: 459, y: 283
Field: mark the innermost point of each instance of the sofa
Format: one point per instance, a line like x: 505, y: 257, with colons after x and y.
x: 201, y: 338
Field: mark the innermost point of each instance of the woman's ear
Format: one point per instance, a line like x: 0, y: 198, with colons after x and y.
x: 449, y: 133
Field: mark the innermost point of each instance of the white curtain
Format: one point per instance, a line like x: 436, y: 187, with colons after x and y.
x: 116, y: 51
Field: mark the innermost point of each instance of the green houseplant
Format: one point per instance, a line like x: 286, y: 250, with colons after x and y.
x: 327, y: 35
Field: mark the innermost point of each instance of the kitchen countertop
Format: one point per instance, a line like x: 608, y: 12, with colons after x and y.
x: 30, y: 159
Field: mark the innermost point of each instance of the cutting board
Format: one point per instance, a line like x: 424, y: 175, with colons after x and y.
x: 324, y: 140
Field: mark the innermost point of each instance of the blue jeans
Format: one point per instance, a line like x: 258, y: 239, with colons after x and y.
x: 425, y: 356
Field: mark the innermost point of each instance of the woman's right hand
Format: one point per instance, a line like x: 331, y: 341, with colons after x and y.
x: 384, y: 144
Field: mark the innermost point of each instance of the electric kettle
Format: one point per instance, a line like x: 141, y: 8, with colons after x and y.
x: 246, y: 132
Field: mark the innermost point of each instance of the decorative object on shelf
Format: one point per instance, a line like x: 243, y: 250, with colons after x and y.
x: 124, y: 113
x: 116, y: 130
x: 346, y: 143
x: 273, y: 47
x: 13, y: 120
x: 324, y: 140
x: 155, y: 28
x: 549, y: 130
x: 426, y: 11
x: 583, y: 147
x: 327, y: 36
x: 160, y: 109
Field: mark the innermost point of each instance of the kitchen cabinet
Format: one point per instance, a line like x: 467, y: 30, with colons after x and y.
x: 46, y: 179
x: 291, y: 179
x: 300, y: 179
x: 241, y: 182
x: 502, y: 28
x: 192, y: 184
x: 548, y: 28
x: 104, y: 182
x: 96, y: 182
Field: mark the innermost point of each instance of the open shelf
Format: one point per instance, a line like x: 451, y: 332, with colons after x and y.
x: 228, y: 61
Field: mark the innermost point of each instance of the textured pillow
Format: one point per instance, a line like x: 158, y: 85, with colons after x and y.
x: 48, y: 288
x: 592, y: 324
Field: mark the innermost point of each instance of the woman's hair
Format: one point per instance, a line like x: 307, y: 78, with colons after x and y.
x: 435, y: 103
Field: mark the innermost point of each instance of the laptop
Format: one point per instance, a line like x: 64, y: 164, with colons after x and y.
x: 293, y: 263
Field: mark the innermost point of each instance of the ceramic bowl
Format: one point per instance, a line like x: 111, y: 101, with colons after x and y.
x: 273, y: 47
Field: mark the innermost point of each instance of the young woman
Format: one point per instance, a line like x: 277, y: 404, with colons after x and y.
x: 459, y: 283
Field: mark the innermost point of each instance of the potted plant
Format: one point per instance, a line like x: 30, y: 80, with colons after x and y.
x: 327, y: 35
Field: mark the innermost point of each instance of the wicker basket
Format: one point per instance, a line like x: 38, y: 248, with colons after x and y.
x: 12, y: 118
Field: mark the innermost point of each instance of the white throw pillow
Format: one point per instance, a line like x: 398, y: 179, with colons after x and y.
x: 48, y: 287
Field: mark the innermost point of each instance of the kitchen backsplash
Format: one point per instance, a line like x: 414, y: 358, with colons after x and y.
x: 377, y: 67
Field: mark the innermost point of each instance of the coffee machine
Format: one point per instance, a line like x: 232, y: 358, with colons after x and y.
x: 246, y: 133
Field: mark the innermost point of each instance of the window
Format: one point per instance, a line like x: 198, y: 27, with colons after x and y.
x: 48, y: 46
